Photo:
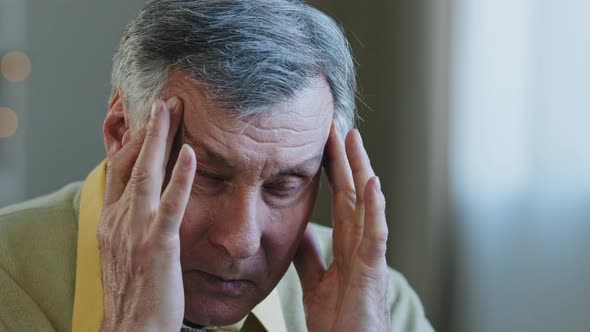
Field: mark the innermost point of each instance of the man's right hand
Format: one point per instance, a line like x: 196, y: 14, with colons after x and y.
x: 138, y: 232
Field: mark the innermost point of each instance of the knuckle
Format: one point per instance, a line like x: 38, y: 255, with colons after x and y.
x: 378, y: 236
x: 153, y: 135
x: 154, y: 131
x: 170, y: 207
x: 380, y: 248
x: 140, y: 175
x: 348, y: 195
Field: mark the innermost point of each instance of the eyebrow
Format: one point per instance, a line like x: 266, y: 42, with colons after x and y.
x: 211, y: 156
x: 301, y: 167
x: 215, y: 158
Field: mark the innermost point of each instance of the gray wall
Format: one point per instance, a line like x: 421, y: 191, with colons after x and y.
x: 71, y: 46
x: 393, y: 42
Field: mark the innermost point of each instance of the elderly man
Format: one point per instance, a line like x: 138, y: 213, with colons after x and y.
x: 223, y: 114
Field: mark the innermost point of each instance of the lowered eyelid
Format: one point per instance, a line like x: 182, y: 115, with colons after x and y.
x: 208, y: 174
x: 291, y: 182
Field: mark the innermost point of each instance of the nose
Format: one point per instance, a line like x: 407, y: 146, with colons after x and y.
x: 235, y: 226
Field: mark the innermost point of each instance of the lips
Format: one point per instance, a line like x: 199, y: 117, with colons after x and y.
x: 221, y: 278
x: 221, y: 285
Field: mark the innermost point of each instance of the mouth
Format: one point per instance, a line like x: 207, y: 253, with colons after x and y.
x: 221, y: 285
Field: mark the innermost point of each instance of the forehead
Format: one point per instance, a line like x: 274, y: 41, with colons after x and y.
x: 288, y: 132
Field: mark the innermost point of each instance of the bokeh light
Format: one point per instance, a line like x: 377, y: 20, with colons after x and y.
x: 8, y: 122
x: 15, y: 66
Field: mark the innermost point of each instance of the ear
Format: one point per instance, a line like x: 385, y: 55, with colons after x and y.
x: 116, y: 126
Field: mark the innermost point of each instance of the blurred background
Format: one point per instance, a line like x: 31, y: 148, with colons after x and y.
x: 475, y: 114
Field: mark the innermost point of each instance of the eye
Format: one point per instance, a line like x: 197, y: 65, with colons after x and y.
x: 209, y: 175
x: 285, y: 188
x: 208, y: 183
x: 280, y: 189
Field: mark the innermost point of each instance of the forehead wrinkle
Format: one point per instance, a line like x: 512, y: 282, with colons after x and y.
x: 285, y: 128
x: 267, y: 163
x: 282, y: 132
x: 287, y: 115
x: 272, y: 121
x: 288, y: 119
x: 279, y: 139
x: 258, y: 134
x: 294, y: 145
x: 208, y: 150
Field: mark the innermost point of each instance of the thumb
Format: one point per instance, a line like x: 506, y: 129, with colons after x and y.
x: 308, y: 261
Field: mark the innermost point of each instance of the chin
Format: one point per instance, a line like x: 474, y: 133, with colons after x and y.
x: 204, y: 310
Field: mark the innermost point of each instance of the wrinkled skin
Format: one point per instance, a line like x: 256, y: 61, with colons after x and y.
x: 206, y: 232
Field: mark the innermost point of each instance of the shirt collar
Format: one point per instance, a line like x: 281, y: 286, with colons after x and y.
x: 88, y: 305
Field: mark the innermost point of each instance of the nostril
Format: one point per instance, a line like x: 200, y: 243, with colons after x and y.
x: 238, y: 242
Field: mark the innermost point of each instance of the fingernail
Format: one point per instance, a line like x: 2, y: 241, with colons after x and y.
x: 378, y: 183
x: 171, y: 103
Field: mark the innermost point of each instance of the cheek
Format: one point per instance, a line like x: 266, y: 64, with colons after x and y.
x: 195, y: 224
x: 283, y: 236
x: 280, y: 246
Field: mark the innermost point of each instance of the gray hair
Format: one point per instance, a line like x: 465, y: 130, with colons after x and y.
x: 249, y: 54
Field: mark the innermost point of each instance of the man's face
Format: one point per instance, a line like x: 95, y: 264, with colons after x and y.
x: 253, y: 193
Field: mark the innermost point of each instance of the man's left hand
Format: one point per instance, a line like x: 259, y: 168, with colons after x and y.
x: 351, y: 294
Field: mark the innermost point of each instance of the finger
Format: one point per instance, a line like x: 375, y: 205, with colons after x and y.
x: 176, y: 196
x: 361, y: 173
x: 374, y: 243
x: 148, y: 173
x: 308, y: 261
x: 359, y: 163
x: 174, y: 153
x: 339, y: 177
x: 176, y: 113
x: 120, y: 166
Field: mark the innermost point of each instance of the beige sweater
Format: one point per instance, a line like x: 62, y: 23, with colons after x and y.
x: 38, y: 242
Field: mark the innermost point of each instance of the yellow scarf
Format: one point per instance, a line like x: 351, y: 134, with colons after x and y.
x: 88, y: 305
